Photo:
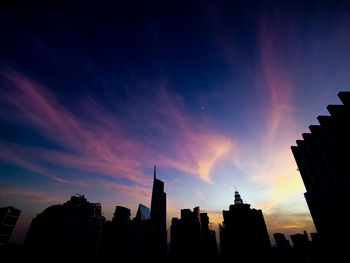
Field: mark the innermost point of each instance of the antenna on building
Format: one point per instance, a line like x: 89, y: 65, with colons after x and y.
x: 238, y: 199
x: 154, y: 173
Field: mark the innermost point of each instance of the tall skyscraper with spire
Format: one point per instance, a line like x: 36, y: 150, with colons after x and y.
x: 243, y: 235
x: 158, y: 217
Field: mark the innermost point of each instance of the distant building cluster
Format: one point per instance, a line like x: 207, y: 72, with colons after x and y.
x: 77, y: 232
x: 323, y: 159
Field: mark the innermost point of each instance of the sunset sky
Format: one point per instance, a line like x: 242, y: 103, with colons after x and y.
x: 93, y: 95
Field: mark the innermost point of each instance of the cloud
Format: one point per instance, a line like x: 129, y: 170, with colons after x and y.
x: 194, y: 147
x: 277, y: 77
x: 98, y: 141
x: 92, y: 147
x: 270, y: 163
x: 32, y: 195
x: 22, y: 156
x: 288, y: 221
x: 139, y: 192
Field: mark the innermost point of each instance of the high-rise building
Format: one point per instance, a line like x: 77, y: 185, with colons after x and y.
x: 243, y: 235
x: 158, y: 203
x: 8, y: 219
x: 142, y: 213
x: 283, y: 249
x: 323, y: 159
x: 66, y: 233
x: 191, y: 238
x: 301, y: 247
x: 121, y: 214
x: 158, y: 218
x: 282, y: 244
x: 209, y: 250
x: 116, y: 237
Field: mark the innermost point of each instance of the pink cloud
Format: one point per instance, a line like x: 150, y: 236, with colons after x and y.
x: 277, y: 78
x: 21, y: 156
x: 195, y: 148
x: 98, y: 142
x: 33, y: 195
x: 141, y: 193
x: 95, y: 148
x: 271, y: 164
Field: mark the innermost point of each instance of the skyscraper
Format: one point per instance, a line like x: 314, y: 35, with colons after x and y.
x: 282, y: 243
x: 191, y: 238
x: 8, y: 219
x: 301, y: 247
x: 158, y: 202
x: 323, y: 159
x: 158, y: 218
x: 116, y: 238
x: 142, y: 213
x: 66, y: 233
x: 209, y: 250
x: 243, y: 235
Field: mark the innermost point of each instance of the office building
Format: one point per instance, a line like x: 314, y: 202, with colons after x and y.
x: 323, y: 159
x: 8, y: 219
x: 282, y: 244
x: 66, y: 233
x: 158, y: 219
x: 243, y: 235
x: 116, y: 237
x: 191, y: 239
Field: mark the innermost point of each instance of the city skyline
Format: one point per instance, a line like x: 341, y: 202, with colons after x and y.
x: 213, y: 94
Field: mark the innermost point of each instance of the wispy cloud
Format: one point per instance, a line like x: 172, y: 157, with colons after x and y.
x: 142, y: 194
x: 97, y: 141
x: 31, y: 195
x: 92, y: 146
x: 192, y: 146
x: 278, y: 80
x: 23, y: 157
x: 288, y: 221
x: 272, y: 164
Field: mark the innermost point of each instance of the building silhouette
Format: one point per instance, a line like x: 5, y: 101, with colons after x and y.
x: 191, y: 240
x: 8, y: 219
x: 143, y: 247
x: 283, y: 249
x: 209, y: 248
x: 77, y: 232
x: 143, y: 239
x: 148, y: 231
x: 115, y: 244
x: 323, y: 159
x: 66, y: 233
x: 142, y: 213
x: 158, y: 219
x: 243, y: 235
x: 282, y: 244
x: 301, y: 247
x: 185, y: 236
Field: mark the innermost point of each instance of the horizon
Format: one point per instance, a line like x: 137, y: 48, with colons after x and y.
x: 214, y: 94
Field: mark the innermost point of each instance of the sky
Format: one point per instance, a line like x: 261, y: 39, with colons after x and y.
x: 94, y: 94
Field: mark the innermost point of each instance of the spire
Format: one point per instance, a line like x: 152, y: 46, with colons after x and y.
x: 154, y: 173
x: 238, y: 199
